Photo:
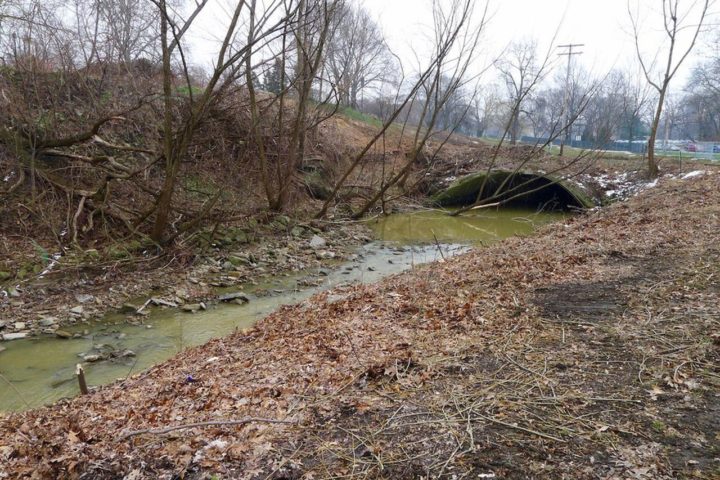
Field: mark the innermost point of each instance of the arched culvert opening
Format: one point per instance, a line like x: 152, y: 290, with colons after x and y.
x: 517, y: 190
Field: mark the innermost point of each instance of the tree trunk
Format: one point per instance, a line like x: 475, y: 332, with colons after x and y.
x: 354, y: 96
x: 515, y: 127
x: 653, y: 170
x: 254, y: 113
x: 304, y: 84
x: 165, y: 198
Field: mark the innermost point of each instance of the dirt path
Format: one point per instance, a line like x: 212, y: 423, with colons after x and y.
x: 588, y: 351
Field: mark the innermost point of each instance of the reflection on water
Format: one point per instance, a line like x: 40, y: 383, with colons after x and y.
x: 41, y: 370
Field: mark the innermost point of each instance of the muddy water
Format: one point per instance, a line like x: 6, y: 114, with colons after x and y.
x: 477, y: 227
x: 39, y: 371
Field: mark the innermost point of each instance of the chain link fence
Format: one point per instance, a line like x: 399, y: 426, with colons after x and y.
x: 673, y: 149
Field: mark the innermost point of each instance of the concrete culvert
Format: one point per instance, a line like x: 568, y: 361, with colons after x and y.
x: 521, y: 189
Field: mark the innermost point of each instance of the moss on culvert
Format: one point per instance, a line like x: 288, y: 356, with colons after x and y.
x: 520, y: 189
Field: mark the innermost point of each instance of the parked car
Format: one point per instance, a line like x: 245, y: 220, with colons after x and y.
x: 716, y: 148
x: 691, y: 147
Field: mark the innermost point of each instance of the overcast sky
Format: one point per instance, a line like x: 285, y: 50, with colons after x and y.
x: 602, y: 25
x: 597, y: 23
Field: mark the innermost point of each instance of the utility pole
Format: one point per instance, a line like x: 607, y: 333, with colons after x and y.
x: 569, y: 51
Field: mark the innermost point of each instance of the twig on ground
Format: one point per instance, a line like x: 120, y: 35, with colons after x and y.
x: 522, y: 429
x: 160, y: 431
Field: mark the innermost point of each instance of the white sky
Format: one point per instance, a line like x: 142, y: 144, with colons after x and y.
x: 597, y: 23
x: 602, y: 25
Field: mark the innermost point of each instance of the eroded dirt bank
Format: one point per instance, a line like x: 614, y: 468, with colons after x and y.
x: 588, y: 351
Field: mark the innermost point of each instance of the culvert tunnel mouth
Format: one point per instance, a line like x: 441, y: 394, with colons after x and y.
x: 525, y: 190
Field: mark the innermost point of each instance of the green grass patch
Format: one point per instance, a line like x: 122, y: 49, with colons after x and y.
x: 659, y: 426
x: 185, y: 90
x: 358, y: 116
x: 352, y: 114
x: 596, y: 153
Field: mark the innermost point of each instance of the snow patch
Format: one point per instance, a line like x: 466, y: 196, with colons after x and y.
x: 618, y: 185
x: 693, y: 174
x: 51, y: 265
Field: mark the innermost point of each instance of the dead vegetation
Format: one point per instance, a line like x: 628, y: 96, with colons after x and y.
x: 122, y: 157
x: 588, y: 351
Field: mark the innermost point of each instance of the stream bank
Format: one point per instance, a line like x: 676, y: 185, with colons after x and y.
x: 73, y: 291
x: 150, y: 329
x: 49, y: 291
x: 588, y: 351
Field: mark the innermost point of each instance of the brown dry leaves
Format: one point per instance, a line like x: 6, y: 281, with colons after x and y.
x: 531, y: 357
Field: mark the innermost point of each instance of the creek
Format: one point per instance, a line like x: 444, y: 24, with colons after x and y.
x: 41, y: 370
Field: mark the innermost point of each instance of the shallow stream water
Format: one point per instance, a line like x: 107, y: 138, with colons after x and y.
x: 41, y: 370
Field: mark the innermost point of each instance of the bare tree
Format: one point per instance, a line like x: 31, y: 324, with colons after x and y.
x: 52, y: 119
x: 292, y: 75
x: 357, y: 56
x: 604, y: 113
x: 55, y: 103
x: 268, y: 24
x: 701, y: 104
x: 673, y: 116
x: 543, y: 109
x: 455, y: 44
x: 569, y: 97
x: 634, y: 99
x: 118, y: 31
x: 675, y: 22
x: 485, y: 108
x: 520, y: 73
x: 457, y: 39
